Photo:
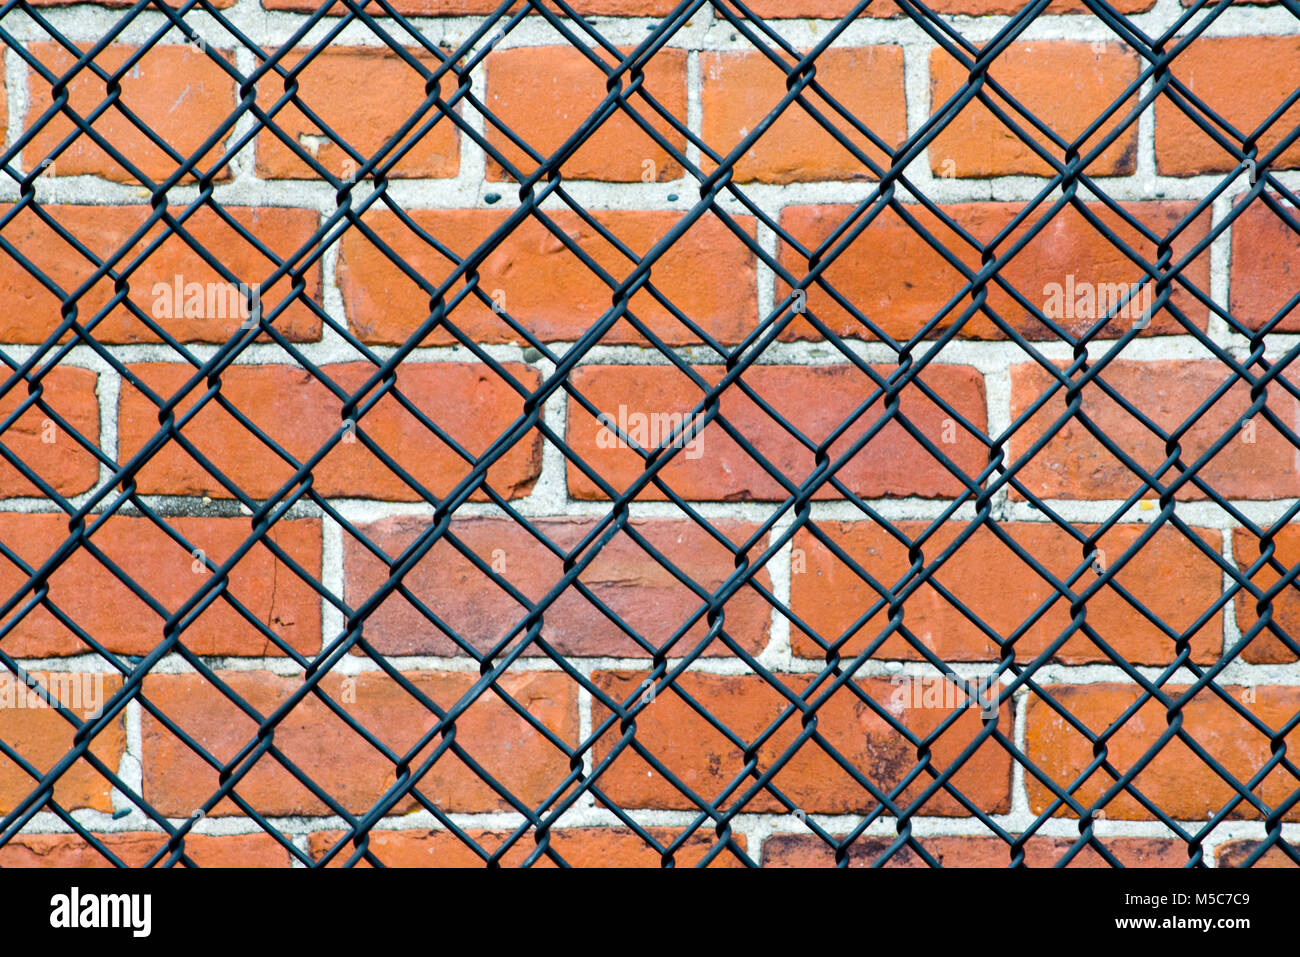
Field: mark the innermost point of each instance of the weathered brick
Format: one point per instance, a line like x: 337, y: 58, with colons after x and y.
x: 1235, y: 854
x: 545, y: 94
x: 892, y: 462
x: 808, y: 850
x: 1243, y: 80
x: 1069, y: 253
x: 707, y: 763
x: 103, y: 605
x: 438, y: 8
x: 1265, y: 269
x: 1267, y: 648
x: 624, y: 576
x: 43, y: 737
x: 365, y: 95
x: 176, y: 90
x: 838, y: 9
x: 43, y: 443
x: 208, y: 307
x: 975, y: 143
x: 470, y: 402
x: 1170, y: 576
x: 1258, y: 462
x: 136, y: 849
x: 1177, y: 780
x: 708, y: 274
x: 739, y: 89
x: 579, y: 847
x: 177, y: 781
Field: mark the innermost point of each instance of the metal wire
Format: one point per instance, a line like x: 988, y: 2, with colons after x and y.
x: 268, y: 84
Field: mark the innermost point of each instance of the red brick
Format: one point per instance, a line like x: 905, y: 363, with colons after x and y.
x: 708, y: 274
x: 219, y: 4
x: 99, y: 602
x: 625, y: 577
x: 435, y: 8
x: 43, y: 443
x: 808, y: 850
x: 1235, y: 853
x: 1170, y: 576
x: 43, y: 738
x: 921, y: 282
x: 108, y: 230
x: 1243, y: 80
x: 365, y: 96
x: 1267, y: 648
x: 838, y: 9
x: 544, y: 94
x: 891, y: 463
x: 1265, y: 269
x: 706, y: 762
x: 1075, y: 465
x: 739, y: 89
x: 468, y: 401
x: 137, y: 849
x: 177, y: 781
x: 1177, y: 780
x: 976, y: 143
x: 579, y: 847
x: 176, y: 90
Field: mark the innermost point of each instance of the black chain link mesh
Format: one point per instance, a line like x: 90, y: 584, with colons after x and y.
x: 803, y: 713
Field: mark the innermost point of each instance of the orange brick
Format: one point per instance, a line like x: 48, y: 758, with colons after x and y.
x: 468, y: 401
x: 708, y: 274
x: 578, y: 847
x: 545, y: 94
x: 1170, y: 576
x: 1241, y: 79
x: 1177, y: 780
x: 43, y: 443
x: 365, y: 96
x: 219, y: 4
x: 626, y: 578
x: 694, y: 751
x: 1267, y: 648
x: 808, y: 850
x: 838, y: 9
x: 976, y: 143
x: 43, y: 737
x: 137, y: 849
x: 921, y: 282
x: 177, y: 781
x: 739, y: 89
x: 106, y: 608
x: 1075, y: 465
x: 1265, y: 269
x: 891, y: 463
x: 179, y: 92
x: 211, y: 311
x: 1235, y: 854
x: 437, y: 8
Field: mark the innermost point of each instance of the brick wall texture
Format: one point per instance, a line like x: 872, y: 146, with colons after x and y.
x: 357, y: 288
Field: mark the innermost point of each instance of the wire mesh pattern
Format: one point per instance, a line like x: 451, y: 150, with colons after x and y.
x: 824, y: 749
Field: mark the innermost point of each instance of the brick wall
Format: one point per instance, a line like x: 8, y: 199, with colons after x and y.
x: 886, y: 71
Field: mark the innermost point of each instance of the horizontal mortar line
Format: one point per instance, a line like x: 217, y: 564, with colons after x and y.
x: 87, y: 22
x: 922, y: 826
x: 988, y: 355
x: 464, y: 192
x: 1239, y: 673
x: 361, y: 511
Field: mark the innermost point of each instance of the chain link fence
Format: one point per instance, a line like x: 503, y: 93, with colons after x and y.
x: 649, y: 433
